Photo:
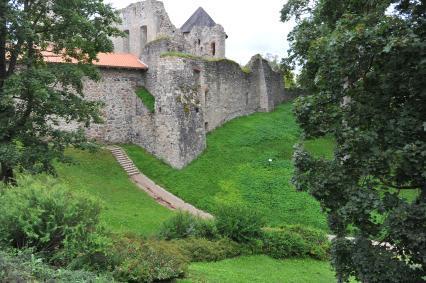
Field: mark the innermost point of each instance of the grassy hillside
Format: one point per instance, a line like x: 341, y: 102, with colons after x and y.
x: 261, y: 269
x: 127, y: 208
x: 235, y: 169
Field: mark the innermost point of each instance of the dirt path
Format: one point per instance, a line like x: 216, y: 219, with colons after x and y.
x: 158, y: 193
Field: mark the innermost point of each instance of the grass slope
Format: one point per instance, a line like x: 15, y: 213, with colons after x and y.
x: 235, y: 169
x: 127, y: 208
x: 147, y: 98
x: 261, y: 269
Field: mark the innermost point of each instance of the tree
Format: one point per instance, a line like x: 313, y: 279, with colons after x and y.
x: 36, y: 97
x: 364, y: 64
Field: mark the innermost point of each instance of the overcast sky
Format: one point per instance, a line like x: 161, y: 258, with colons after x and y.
x: 253, y: 27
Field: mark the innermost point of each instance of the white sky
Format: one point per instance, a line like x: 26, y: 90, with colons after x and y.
x: 253, y: 27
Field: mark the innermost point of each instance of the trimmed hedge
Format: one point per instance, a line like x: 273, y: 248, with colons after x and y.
x: 198, y: 250
x: 295, y: 241
x: 140, y: 261
x: 240, y: 224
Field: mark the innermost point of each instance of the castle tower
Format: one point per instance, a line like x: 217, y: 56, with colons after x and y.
x: 204, y: 37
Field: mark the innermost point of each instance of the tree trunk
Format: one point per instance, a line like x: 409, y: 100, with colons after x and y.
x: 6, y: 174
x: 3, y: 31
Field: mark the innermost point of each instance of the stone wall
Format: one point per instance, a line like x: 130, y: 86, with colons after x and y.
x: 143, y: 22
x: 148, y: 21
x: 206, y: 41
x: 116, y: 90
x: 193, y: 96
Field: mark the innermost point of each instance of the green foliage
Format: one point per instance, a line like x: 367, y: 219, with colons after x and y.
x: 139, y: 261
x: 239, y: 223
x: 179, y: 55
x: 127, y: 208
x: 295, y: 241
x: 147, y: 98
x: 289, y: 80
x: 47, y: 217
x: 184, y: 225
x: 31, y: 103
x: 199, y: 249
x: 24, y: 266
x: 364, y: 64
x: 235, y: 170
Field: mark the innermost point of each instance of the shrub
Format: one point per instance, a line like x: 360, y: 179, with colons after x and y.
x: 240, y: 224
x: 295, y: 241
x: 184, y: 225
x: 138, y: 261
x: 53, y: 221
x: 24, y: 266
x: 204, y: 250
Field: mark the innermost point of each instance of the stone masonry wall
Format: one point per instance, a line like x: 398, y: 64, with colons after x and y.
x: 206, y: 41
x: 148, y: 21
x: 116, y: 90
x: 143, y: 22
x: 195, y: 96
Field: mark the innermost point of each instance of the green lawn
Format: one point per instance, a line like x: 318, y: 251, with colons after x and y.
x: 261, y: 269
x: 235, y: 169
x: 127, y: 208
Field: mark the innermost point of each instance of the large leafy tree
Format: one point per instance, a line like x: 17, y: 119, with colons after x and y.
x: 35, y: 97
x: 364, y: 64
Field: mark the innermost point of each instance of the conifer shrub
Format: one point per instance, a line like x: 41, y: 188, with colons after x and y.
x: 24, y: 266
x: 204, y: 250
x: 295, y: 241
x: 53, y: 221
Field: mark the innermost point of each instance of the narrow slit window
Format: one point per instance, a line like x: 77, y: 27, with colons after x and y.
x: 126, y: 42
x: 214, y: 48
x: 144, y: 37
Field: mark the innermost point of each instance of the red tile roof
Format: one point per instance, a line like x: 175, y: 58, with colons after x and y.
x: 110, y: 60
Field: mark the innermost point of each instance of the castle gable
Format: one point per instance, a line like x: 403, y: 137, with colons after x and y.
x: 200, y: 18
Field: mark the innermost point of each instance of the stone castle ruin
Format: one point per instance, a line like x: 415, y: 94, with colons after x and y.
x: 195, y: 88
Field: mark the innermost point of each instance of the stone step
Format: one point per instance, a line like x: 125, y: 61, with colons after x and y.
x: 127, y: 164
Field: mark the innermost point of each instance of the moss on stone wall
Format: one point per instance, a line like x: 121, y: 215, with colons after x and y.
x: 147, y: 98
x: 245, y: 69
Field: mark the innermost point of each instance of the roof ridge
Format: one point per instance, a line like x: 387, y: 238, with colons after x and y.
x: 199, y: 18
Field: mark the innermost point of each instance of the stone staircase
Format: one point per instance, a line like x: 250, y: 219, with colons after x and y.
x: 125, y: 162
x: 158, y: 193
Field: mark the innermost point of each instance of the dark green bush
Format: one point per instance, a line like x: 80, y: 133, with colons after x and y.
x: 240, y: 224
x: 139, y: 261
x: 198, y: 249
x: 295, y: 241
x: 24, y: 266
x: 53, y: 221
x: 184, y: 225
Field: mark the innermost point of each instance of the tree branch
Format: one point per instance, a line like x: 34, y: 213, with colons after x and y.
x: 399, y: 187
